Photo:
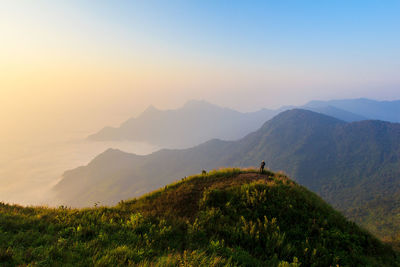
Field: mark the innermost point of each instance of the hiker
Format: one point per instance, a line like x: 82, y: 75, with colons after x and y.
x: 262, y: 166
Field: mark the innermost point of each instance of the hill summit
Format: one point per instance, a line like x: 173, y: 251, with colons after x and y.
x: 228, y: 217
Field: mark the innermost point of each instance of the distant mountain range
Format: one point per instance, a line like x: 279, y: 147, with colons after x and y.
x: 198, y: 121
x: 194, y: 123
x: 366, y: 108
x: 354, y: 165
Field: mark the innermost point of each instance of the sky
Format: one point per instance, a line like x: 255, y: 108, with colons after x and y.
x: 85, y: 64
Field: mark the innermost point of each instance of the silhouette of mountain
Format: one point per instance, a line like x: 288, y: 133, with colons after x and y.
x: 367, y: 108
x: 199, y: 121
x: 336, y: 113
x: 194, y: 123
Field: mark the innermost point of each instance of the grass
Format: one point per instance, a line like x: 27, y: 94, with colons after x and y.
x: 228, y: 217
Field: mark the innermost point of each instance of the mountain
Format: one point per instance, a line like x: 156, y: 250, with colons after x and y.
x: 194, y: 123
x: 354, y: 166
x: 230, y: 217
x: 335, y: 112
x: 199, y: 121
x: 328, y: 110
x: 366, y: 108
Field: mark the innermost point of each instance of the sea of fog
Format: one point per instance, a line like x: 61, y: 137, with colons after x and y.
x: 29, y: 169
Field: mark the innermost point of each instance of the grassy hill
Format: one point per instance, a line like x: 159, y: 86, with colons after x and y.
x: 230, y: 217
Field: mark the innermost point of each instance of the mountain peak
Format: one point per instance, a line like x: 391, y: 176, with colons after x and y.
x: 150, y: 108
x: 301, y: 116
x: 111, y: 154
x: 199, y: 104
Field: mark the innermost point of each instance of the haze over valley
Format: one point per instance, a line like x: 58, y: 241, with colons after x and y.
x: 32, y: 167
x: 30, y: 170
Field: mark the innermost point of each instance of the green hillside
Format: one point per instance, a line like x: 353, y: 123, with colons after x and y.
x: 230, y: 217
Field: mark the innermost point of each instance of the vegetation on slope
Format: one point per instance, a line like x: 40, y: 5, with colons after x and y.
x: 225, y: 218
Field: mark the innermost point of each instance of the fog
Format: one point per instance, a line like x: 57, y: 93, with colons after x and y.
x: 28, y: 170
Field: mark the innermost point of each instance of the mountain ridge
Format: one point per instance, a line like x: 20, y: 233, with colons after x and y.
x: 370, y: 109
x: 193, y: 123
x: 197, y: 121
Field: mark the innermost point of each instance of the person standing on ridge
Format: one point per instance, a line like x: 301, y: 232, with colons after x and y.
x: 262, y: 166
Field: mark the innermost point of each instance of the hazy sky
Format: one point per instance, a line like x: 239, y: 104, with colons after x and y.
x: 89, y: 63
